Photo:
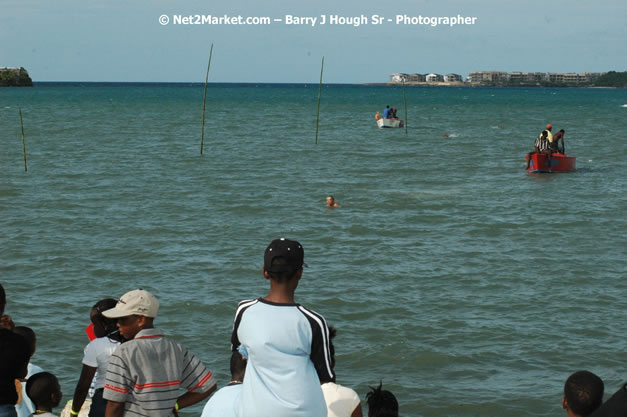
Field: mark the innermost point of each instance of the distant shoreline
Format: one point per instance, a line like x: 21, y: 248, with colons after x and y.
x: 270, y: 84
x: 471, y: 85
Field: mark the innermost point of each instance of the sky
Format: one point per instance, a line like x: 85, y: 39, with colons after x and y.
x: 121, y: 40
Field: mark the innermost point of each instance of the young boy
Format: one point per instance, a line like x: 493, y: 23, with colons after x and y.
x: 583, y: 394
x: 144, y: 374
x: 45, y: 392
x: 381, y: 403
x: 26, y: 407
x: 287, y: 345
x: 223, y: 402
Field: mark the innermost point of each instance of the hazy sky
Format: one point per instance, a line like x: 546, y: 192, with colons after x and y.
x: 115, y: 40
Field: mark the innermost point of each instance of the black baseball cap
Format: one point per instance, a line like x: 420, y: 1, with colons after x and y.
x: 290, y: 250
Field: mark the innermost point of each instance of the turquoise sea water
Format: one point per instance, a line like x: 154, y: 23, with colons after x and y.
x: 470, y: 287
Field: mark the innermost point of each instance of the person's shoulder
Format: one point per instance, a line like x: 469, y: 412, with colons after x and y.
x: 222, y: 402
x: 616, y: 405
x: 249, y: 301
x: 33, y: 369
x: 309, y: 311
x: 315, y: 319
x: 103, y: 342
x: 244, y: 304
x: 338, y: 390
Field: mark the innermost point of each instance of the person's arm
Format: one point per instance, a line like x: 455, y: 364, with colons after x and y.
x: 191, y: 398
x: 114, y: 409
x: 82, y: 387
x: 320, y: 345
x: 197, y: 380
x: 357, y: 411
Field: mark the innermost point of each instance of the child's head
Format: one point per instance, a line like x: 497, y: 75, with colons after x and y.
x: 14, y: 354
x: 583, y: 393
x: 381, y: 403
x: 283, y: 260
x: 44, y: 390
x: 103, y: 325
x: 238, y: 366
x: 28, y: 334
x: 135, y: 311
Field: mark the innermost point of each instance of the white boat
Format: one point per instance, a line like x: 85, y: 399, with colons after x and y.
x: 389, y: 123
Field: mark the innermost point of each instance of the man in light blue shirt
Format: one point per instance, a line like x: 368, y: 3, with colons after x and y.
x: 288, y: 345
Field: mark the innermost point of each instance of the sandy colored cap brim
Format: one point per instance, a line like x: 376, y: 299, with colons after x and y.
x: 137, y: 302
x: 116, y: 313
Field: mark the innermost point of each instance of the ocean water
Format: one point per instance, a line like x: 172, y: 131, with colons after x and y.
x: 466, y: 285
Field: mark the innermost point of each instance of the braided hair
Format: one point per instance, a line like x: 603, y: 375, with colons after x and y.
x: 109, y: 325
x: 381, y: 403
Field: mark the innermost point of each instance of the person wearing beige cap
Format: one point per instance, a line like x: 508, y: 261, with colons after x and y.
x: 145, y: 374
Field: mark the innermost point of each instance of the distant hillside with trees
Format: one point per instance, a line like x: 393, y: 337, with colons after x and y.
x: 612, y: 79
x: 15, y: 77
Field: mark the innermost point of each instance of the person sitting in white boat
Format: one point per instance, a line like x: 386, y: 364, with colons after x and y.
x: 541, y: 146
x: 387, y: 112
x: 377, y: 116
x: 394, y: 114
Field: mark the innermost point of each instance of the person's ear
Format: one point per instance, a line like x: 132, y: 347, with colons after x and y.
x: 56, y: 396
x: 141, y: 321
x: 265, y: 273
x: 564, y: 403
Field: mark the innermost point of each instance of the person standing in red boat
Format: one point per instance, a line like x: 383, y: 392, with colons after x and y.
x: 554, y: 145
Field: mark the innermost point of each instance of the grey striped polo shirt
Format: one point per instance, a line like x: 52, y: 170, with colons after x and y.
x: 146, y: 374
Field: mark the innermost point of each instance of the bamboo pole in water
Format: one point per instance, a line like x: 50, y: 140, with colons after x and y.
x: 204, y: 101
x: 23, y: 140
x: 319, y: 92
x: 405, y: 99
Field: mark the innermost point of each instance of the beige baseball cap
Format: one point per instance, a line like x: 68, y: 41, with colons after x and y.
x: 139, y: 302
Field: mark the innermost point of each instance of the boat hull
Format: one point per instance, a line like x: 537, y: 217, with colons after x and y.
x: 389, y: 123
x: 559, y: 163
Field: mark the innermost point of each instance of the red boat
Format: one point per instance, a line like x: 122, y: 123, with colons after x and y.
x: 559, y: 163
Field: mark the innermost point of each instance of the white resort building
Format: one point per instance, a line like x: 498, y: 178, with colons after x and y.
x: 453, y: 78
x: 434, y: 78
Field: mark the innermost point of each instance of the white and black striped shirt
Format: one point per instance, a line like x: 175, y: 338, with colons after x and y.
x: 542, y: 143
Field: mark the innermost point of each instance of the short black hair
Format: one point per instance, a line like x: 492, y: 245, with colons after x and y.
x: 583, y: 392
x: 237, y: 365
x: 103, y: 305
x: 381, y: 402
x: 40, y: 387
x: 282, y: 277
x: 28, y: 334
